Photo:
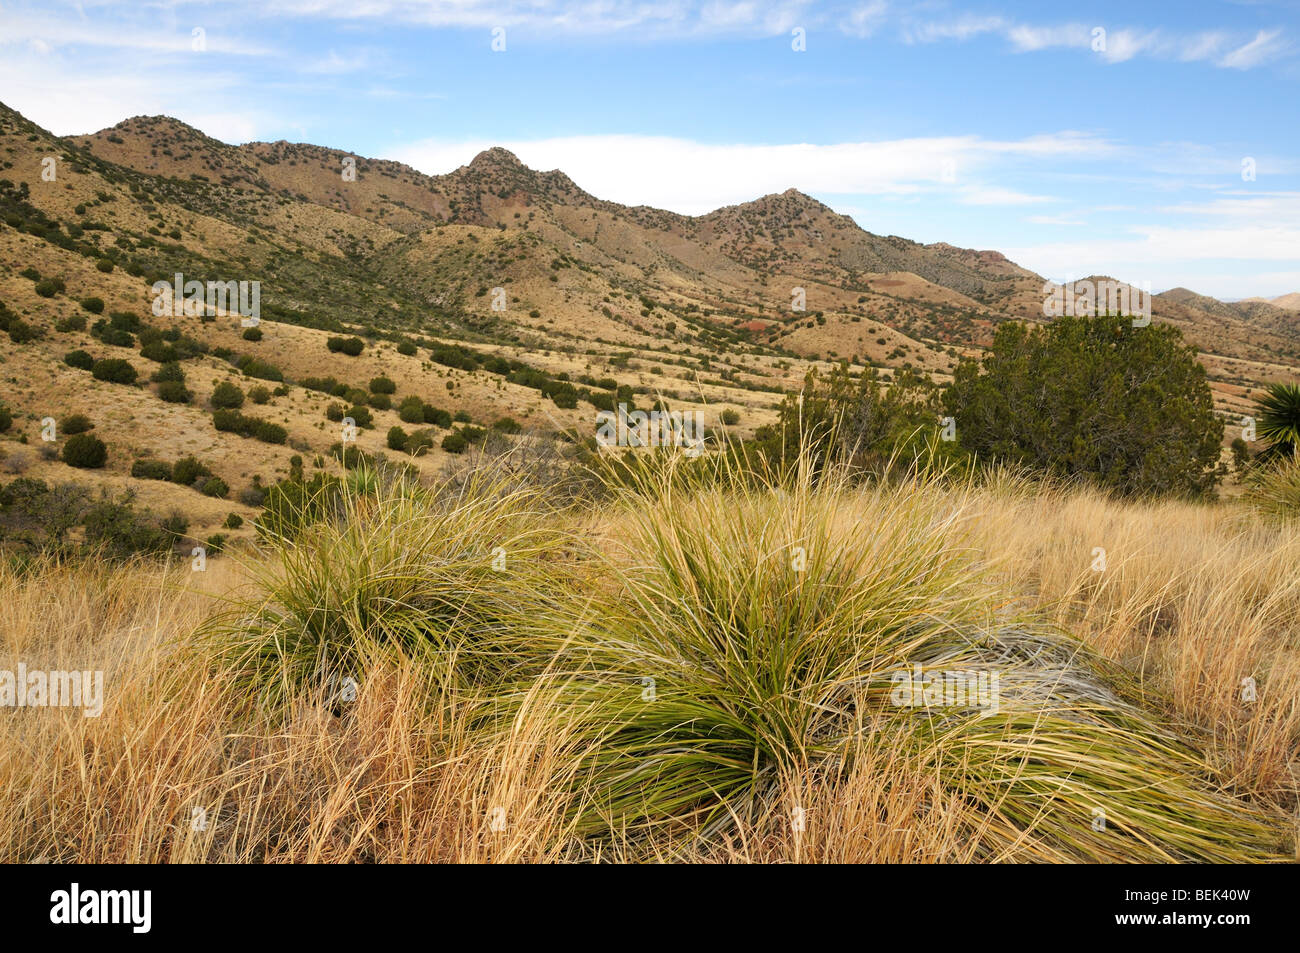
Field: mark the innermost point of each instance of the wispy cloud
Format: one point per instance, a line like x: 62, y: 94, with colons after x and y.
x: 1267, y: 45
x: 1067, y: 220
x: 1112, y: 44
x: 693, y: 177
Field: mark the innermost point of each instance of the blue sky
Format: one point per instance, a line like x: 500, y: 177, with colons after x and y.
x: 1076, y: 138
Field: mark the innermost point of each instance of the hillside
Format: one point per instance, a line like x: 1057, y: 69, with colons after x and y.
x: 496, y: 294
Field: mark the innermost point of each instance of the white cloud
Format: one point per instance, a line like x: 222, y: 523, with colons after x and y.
x: 998, y: 196
x: 1266, y: 45
x: 1033, y: 38
x: 862, y: 21
x: 87, y: 100
x: 43, y: 33
x: 1054, y: 220
x: 693, y: 178
x: 961, y: 28
x: 1116, y: 45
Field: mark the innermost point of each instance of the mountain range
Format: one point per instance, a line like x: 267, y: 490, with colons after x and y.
x: 722, y: 310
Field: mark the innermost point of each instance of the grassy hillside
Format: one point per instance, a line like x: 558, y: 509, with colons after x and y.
x: 515, y: 265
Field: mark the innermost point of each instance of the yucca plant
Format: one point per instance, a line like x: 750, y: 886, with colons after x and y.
x: 1278, y: 413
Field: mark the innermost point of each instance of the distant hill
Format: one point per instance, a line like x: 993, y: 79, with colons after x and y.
x: 491, y: 291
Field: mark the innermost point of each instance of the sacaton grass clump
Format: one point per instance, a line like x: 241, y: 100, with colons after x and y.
x: 751, y: 639
x: 712, y: 659
x: 456, y: 576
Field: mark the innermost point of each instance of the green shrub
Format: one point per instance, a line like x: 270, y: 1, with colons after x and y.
x: 74, y: 322
x: 188, y: 471
x: 115, y: 337
x: 229, y: 420
x: 105, y: 265
x: 175, y: 525
x: 268, y: 432
x: 252, y: 334
x: 75, y: 424
x: 454, y: 443
x: 174, y: 392
x: 85, y: 451
x: 351, y: 346
x: 507, y: 425
x: 93, y: 305
x: 260, y: 369
x: 259, y: 394
x: 396, y: 438
x: 161, y: 352
x: 151, y: 470
x: 233, y: 521
x: 119, y: 531
x: 419, y: 443
x: 226, y: 396
x: 382, y: 385
x: 1127, y: 408
x: 171, y: 371
x: 79, y: 359
x: 20, y: 332
x: 215, y: 486
x: 115, y: 370
x: 411, y: 411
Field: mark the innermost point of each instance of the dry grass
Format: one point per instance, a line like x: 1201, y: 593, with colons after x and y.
x: 1192, y: 600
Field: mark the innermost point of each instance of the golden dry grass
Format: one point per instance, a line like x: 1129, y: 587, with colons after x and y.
x: 1192, y: 600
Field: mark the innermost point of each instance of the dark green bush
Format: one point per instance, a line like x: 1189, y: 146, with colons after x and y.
x: 115, y: 370
x: 151, y: 470
x: 188, y: 471
x: 1127, y: 408
x: 215, y: 486
x: 84, y: 451
x: 351, y: 346
x: 174, y: 392
x: 75, y: 424
x: 226, y: 396
x: 79, y: 359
